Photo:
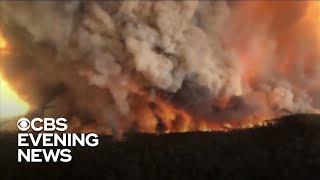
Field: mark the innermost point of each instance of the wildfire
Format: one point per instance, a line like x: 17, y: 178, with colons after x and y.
x: 121, y: 72
x: 157, y: 114
x: 10, y: 103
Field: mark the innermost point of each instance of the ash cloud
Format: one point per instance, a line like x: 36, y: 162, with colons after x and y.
x: 90, y: 60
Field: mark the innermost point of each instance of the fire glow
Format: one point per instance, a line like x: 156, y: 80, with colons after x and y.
x: 11, y: 104
x: 214, y: 66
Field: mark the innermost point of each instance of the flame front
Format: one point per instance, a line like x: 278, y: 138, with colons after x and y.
x: 255, y: 60
x: 171, y: 66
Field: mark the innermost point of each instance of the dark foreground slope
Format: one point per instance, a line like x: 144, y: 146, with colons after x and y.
x: 288, y: 150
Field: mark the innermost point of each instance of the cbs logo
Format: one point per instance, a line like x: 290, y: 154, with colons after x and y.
x: 45, y: 124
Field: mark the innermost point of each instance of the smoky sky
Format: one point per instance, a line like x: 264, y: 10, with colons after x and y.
x: 100, y: 63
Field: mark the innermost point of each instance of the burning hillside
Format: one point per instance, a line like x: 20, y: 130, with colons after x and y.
x: 162, y: 66
x: 288, y: 150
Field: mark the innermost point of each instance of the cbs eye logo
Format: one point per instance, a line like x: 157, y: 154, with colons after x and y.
x: 23, y: 124
x: 45, y: 124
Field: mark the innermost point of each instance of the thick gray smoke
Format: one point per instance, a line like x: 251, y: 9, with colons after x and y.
x: 88, y: 60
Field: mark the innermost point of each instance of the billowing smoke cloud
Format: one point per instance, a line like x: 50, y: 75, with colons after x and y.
x: 163, y: 65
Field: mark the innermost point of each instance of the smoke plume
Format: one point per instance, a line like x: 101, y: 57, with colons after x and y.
x: 152, y: 66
